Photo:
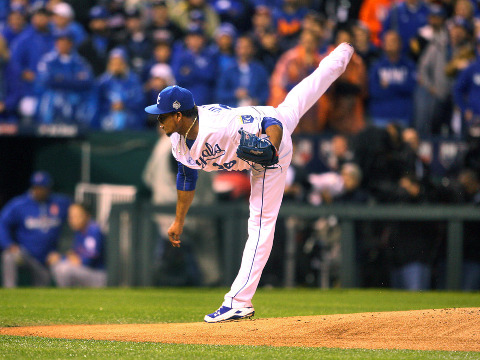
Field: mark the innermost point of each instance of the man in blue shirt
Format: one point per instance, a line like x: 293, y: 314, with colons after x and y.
x: 392, y: 83
x: 30, y: 227
x: 84, y: 264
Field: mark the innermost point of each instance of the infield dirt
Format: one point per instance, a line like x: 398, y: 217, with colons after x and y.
x: 456, y: 329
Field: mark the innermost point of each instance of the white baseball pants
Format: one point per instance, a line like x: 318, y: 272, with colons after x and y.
x: 267, y: 186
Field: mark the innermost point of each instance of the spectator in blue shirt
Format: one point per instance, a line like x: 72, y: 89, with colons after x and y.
x: 406, y: 18
x: 243, y: 83
x: 392, y: 84
x: 27, y: 50
x: 65, y: 82
x: 467, y: 93
x: 30, y: 227
x: 84, y: 264
x: 120, y: 96
x: 15, y: 25
x: 98, y: 44
x: 194, y: 66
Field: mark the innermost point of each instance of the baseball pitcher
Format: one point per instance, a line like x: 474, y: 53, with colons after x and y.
x: 217, y: 137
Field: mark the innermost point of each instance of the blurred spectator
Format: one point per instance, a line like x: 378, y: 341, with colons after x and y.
x: 363, y: 46
x: 225, y: 37
x: 27, y: 50
x: 378, y: 153
x: 433, y: 31
x: 467, y: 92
x: 462, y: 51
x: 315, y: 23
x: 470, y: 183
x: 136, y: 43
x: 161, y: 76
x: 416, y: 165
x: 372, y: 14
x: 182, y: 11
x: 262, y: 21
x: 30, y: 227
x: 291, y: 68
x: 98, y: 43
x: 392, y: 84
x: 84, y: 264
x: 342, y: 107
x: 15, y: 25
x: 288, y: 22
x: 243, y: 83
x: 406, y: 18
x: 433, y: 100
x: 65, y: 81
x: 194, y: 66
x: 120, y: 96
x: 161, y: 28
x: 339, y: 153
x: 162, y: 54
x: 464, y: 9
x: 235, y: 12
x: 412, y: 243
x: 268, y: 50
x: 63, y: 20
x: 329, y: 186
x: 471, y: 157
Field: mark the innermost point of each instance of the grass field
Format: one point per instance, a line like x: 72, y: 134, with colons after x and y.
x: 21, y: 307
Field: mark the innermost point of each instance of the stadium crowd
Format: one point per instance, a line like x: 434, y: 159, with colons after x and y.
x: 415, y: 75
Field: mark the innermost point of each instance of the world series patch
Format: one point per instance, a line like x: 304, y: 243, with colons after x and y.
x: 246, y: 119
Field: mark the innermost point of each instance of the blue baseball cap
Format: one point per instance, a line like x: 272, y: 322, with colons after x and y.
x: 41, y: 178
x: 171, y: 99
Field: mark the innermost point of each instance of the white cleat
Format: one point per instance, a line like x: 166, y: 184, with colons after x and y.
x: 225, y: 313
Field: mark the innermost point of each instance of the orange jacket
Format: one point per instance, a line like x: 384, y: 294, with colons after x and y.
x: 372, y: 14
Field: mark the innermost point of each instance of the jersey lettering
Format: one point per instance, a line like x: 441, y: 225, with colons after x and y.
x: 210, y: 153
x: 225, y: 166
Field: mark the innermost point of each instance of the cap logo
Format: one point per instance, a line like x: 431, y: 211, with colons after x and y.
x: 176, y: 105
x: 158, y: 99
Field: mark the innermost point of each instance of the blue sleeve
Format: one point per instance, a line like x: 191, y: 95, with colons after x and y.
x: 186, y: 178
x: 269, y: 121
x: 462, y: 87
x: 7, y: 222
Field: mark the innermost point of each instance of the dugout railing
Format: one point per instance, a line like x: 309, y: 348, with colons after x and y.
x: 133, y: 234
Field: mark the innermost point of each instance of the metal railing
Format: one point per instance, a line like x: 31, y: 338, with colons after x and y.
x: 142, y: 228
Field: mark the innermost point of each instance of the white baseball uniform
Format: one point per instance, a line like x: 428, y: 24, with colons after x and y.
x: 215, y: 149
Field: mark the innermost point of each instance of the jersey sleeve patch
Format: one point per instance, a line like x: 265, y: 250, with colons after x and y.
x: 246, y: 119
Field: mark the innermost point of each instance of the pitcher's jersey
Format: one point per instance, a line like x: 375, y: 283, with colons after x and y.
x: 216, y: 144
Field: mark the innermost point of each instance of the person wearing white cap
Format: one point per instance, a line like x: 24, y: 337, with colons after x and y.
x: 63, y: 19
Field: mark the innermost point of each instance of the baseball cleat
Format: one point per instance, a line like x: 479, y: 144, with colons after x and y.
x: 225, y: 313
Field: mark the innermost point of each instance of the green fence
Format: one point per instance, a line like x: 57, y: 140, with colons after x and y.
x: 132, y: 236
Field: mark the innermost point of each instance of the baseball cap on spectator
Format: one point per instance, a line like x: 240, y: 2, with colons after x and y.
x: 262, y: 9
x: 195, y: 29
x: 65, y: 33
x: 38, y: 8
x: 171, y: 99
x: 64, y: 10
x: 98, y: 12
x: 196, y: 15
x: 41, y: 178
x: 118, y: 52
x: 226, y: 29
x: 133, y: 13
x: 163, y: 71
x: 437, y: 10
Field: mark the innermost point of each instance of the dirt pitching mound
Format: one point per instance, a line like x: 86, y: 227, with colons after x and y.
x: 445, y: 329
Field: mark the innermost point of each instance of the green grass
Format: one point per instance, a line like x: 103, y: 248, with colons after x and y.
x: 21, y: 307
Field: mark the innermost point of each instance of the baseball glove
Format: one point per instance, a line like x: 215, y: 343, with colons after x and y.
x: 253, y: 149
